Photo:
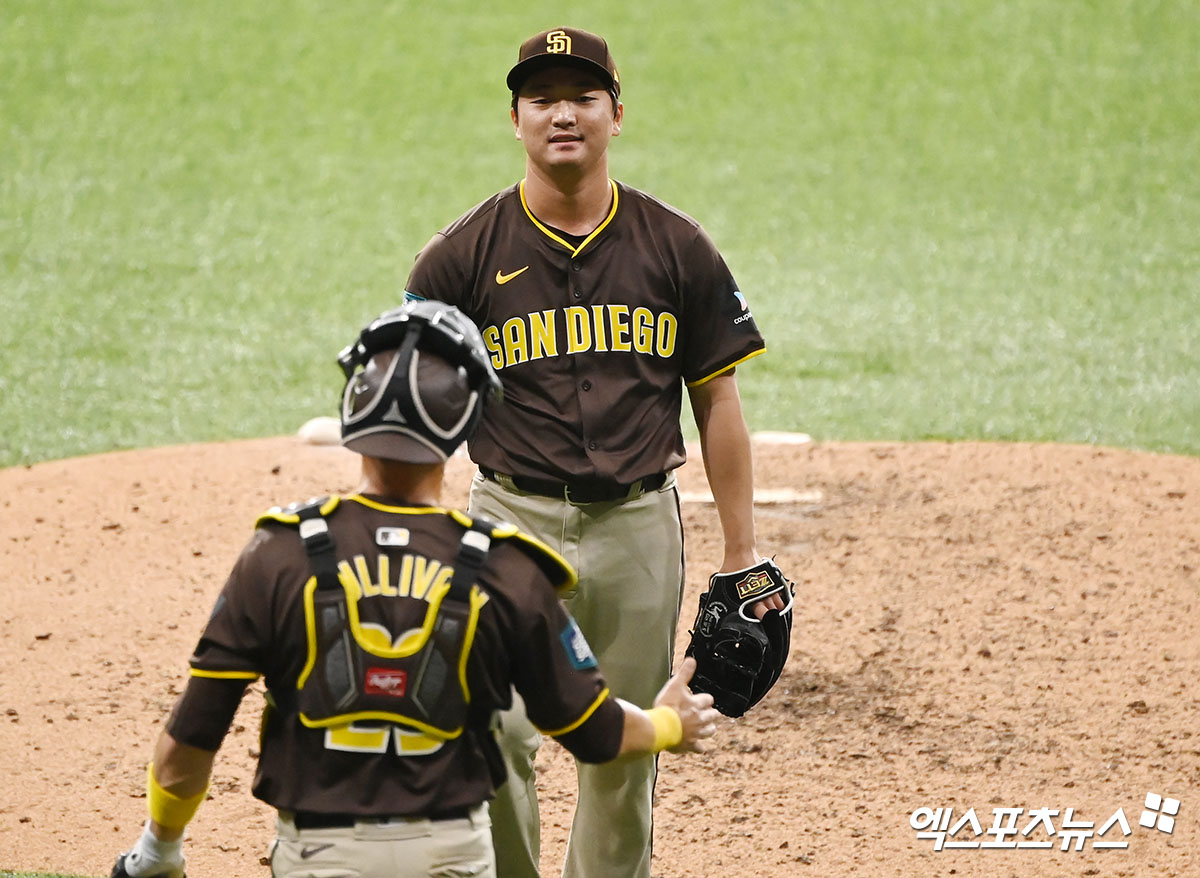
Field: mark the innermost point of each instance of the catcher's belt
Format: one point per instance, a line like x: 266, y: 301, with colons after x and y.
x: 738, y: 657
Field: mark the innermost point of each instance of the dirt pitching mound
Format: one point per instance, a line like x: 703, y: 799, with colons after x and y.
x: 978, y: 626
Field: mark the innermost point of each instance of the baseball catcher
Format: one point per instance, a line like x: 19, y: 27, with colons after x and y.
x: 389, y: 630
x: 739, y: 657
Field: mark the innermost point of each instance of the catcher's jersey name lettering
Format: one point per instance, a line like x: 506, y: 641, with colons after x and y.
x: 578, y: 329
x: 417, y: 577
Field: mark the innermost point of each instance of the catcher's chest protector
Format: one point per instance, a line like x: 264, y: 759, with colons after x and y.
x: 353, y: 674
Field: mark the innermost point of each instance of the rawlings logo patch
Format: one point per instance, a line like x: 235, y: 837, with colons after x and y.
x: 576, y: 645
x: 752, y: 584
x: 386, y: 681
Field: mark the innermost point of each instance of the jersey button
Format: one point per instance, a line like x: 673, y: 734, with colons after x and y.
x: 593, y: 445
x: 576, y: 265
x: 578, y: 292
x: 586, y: 385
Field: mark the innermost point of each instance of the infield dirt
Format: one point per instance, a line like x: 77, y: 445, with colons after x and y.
x: 984, y: 626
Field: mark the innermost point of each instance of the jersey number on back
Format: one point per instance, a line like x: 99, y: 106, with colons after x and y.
x: 355, y: 738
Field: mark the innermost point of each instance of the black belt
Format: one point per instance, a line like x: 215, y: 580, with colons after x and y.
x: 315, y: 820
x: 580, y: 491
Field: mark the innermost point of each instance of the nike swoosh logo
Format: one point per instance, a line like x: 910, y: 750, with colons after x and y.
x: 312, y: 850
x: 502, y: 278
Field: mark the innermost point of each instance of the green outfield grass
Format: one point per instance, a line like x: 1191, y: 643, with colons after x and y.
x: 953, y: 219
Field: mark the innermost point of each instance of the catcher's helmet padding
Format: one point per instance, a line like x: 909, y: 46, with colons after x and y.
x: 417, y: 381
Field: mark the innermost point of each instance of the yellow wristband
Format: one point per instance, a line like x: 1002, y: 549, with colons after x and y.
x: 167, y: 809
x: 668, y: 729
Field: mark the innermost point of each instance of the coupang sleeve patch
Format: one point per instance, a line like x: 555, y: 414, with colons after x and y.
x: 578, y: 651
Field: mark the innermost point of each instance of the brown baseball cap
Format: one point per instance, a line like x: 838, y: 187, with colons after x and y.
x: 565, y: 45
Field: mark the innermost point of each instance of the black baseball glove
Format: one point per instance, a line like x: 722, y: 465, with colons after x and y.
x: 739, y: 658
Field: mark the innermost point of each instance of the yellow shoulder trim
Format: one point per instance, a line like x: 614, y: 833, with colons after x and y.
x: 407, y: 510
x: 562, y: 574
x: 224, y: 675
x: 277, y: 513
x: 600, y: 699
x: 725, y: 369
x: 502, y: 531
x: 559, y: 570
x: 545, y: 230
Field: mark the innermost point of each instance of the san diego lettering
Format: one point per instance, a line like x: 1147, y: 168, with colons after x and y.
x: 578, y: 329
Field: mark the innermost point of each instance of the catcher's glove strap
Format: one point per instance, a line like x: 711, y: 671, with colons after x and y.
x: 315, y: 820
x: 579, y: 490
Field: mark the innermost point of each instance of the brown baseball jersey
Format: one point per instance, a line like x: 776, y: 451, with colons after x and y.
x: 393, y: 556
x: 591, y: 335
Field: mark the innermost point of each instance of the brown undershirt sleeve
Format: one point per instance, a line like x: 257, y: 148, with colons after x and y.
x: 205, y: 710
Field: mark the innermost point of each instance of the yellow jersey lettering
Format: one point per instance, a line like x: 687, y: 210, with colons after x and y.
x: 374, y: 637
x: 349, y: 580
x: 414, y: 743
x: 442, y: 583
x: 579, y: 331
x: 410, y: 641
x: 419, y: 577
x: 356, y: 739
x: 351, y: 738
x: 643, y: 330
x: 369, y: 588
x: 542, y: 336
x: 386, y: 588
x: 600, y: 328
x: 515, y: 348
x: 404, y: 582
x: 491, y: 340
x: 598, y: 323
x: 618, y: 327
x: 424, y: 571
x: 667, y: 325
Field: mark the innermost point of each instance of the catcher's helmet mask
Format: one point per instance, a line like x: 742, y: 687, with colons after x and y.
x: 417, y: 380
